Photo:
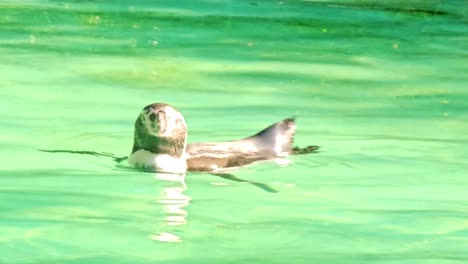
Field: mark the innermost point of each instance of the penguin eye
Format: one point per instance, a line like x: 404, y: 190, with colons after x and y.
x: 152, y: 117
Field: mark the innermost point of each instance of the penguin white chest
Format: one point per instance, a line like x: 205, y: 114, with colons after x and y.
x: 158, y: 162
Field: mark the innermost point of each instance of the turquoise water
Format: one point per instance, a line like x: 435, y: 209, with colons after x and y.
x: 381, y: 87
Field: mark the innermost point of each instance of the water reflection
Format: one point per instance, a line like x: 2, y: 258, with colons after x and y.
x: 173, y: 201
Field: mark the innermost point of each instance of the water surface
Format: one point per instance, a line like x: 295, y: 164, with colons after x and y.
x: 381, y: 87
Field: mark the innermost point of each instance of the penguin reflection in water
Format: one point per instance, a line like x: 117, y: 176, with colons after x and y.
x: 160, y: 145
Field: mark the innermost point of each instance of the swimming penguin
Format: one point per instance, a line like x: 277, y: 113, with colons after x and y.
x: 160, y: 144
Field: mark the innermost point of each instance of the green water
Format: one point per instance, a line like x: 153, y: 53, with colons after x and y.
x: 382, y: 87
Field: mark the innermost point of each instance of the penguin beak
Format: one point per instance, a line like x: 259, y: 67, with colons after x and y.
x: 156, y: 122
